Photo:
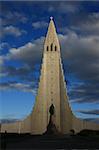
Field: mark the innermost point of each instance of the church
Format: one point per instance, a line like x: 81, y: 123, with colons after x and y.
x: 51, y: 111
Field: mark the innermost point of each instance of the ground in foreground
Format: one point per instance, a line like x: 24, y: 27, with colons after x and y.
x: 27, y: 141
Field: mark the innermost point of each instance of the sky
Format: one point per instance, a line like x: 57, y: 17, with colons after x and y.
x: 23, y: 30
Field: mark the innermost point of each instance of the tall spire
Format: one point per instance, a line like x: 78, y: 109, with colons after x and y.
x: 51, y: 112
x: 51, y: 37
x: 51, y: 26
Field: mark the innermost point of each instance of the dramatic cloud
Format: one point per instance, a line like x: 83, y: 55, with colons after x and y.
x: 21, y: 54
x: 11, y: 30
x: 79, y: 40
x: 65, y: 7
x: 85, y: 93
x: 13, y: 71
x: 80, y: 58
x: 2, y: 60
x: 9, y: 17
x: 89, y: 24
x: 96, y: 120
x: 89, y: 112
x: 30, y: 53
x: 8, y: 120
x: 18, y: 86
x: 4, y: 45
x: 39, y: 24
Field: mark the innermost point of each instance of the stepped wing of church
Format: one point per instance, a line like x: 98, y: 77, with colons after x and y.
x: 51, y: 92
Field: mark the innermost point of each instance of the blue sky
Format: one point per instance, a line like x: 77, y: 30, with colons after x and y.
x: 23, y: 29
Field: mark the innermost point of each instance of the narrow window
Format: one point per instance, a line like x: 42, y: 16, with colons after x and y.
x: 55, y: 48
x: 47, y: 48
x: 51, y: 46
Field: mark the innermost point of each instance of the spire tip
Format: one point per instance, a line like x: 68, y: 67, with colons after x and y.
x: 51, y: 18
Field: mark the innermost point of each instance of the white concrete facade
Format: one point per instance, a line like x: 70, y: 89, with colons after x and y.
x: 52, y: 90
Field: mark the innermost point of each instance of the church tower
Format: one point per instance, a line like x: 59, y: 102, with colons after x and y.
x: 51, y: 108
x: 52, y: 89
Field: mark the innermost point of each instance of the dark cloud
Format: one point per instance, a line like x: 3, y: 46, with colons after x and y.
x: 80, y: 58
x: 27, y: 75
x: 65, y: 7
x: 96, y: 120
x: 39, y: 24
x: 19, y: 86
x: 87, y: 25
x: 2, y: 121
x: 79, y: 39
x: 13, y: 71
x: 89, y: 112
x: 79, y: 47
x: 30, y: 53
x: 9, y: 21
x: 4, y: 45
x: 9, y: 17
x: 84, y: 95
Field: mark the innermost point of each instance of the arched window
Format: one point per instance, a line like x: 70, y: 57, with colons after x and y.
x: 55, y: 48
x: 47, y: 48
x: 51, y: 46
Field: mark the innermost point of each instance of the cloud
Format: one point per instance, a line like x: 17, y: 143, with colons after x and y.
x: 11, y: 30
x: 13, y: 71
x: 68, y: 7
x: 80, y: 56
x: 18, y: 86
x: 96, y: 120
x: 81, y: 61
x: 2, y: 60
x: 39, y: 24
x: 89, y: 112
x: 14, y: 17
x: 85, y: 93
x: 4, y: 45
x: 9, y: 120
x: 65, y: 7
x: 89, y: 24
x: 30, y: 53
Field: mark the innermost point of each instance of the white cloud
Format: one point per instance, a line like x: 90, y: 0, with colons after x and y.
x: 2, y: 59
x: 11, y: 30
x: 29, y: 53
x: 74, y: 44
x: 81, y: 52
x: 4, y: 45
x: 39, y: 24
x: 21, y: 17
x: 89, y: 112
x: 12, y: 17
x: 65, y: 7
x: 89, y: 24
x: 18, y: 86
x: 71, y: 8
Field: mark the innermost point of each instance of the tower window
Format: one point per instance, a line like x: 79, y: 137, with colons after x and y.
x: 55, y: 48
x: 47, y: 48
x: 51, y: 46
